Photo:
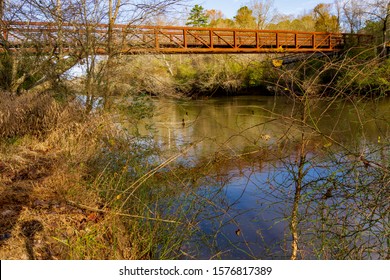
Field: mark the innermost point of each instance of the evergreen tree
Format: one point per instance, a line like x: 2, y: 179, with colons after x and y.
x: 197, y: 17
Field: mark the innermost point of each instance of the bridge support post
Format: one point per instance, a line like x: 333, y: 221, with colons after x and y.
x: 157, y: 44
x: 211, y: 36
x: 313, y: 39
x: 296, y: 40
x: 185, y: 37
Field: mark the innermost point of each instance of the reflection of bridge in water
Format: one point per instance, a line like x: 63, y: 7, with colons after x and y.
x: 50, y: 37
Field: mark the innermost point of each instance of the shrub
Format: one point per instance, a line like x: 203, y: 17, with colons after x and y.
x: 30, y: 113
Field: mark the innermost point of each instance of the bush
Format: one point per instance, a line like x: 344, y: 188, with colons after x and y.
x: 30, y: 113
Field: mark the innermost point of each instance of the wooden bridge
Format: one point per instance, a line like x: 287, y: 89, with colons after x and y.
x: 50, y: 37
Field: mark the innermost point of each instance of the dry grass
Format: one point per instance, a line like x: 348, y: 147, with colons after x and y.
x: 42, y: 168
x: 63, y: 181
x: 32, y: 113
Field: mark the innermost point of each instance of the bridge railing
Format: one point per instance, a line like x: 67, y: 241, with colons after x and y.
x: 41, y: 36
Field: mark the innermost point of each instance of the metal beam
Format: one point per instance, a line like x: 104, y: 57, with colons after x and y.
x: 129, y: 39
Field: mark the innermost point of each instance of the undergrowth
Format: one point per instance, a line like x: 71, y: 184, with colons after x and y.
x: 76, y: 186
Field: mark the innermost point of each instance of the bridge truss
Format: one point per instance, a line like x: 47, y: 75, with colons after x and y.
x: 49, y: 37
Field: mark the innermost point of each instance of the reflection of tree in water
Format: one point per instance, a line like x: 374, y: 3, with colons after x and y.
x: 349, y: 212
x: 335, y: 186
x: 257, y: 158
x: 341, y: 211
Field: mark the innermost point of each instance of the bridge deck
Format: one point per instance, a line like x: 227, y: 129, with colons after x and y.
x: 125, y: 39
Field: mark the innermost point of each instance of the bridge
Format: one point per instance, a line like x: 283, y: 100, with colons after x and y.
x: 52, y: 37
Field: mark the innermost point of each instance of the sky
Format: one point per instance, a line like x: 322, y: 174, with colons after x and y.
x: 230, y: 7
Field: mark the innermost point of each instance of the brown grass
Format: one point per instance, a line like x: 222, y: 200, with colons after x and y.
x: 32, y: 113
x: 40, y: 171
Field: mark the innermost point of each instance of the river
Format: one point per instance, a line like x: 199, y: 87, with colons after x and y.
x: 251, y: 148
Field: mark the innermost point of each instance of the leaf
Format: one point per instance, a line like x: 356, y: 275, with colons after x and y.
x: 327, y: 145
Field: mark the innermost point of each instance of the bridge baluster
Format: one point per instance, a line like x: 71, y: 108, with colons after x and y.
x: 174, y: 39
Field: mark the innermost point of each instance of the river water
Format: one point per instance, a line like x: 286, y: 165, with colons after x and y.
x: 250, y: 146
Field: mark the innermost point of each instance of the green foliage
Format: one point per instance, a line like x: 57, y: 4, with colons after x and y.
x: 197, y: 17
x: 186, y: 75
x: 325, y: 21
x: 303, y: 23
x: 374, y: 28
x: 217, y: 19
x: 222, y: 23
x: 255, y: 74
x: 244, y: 18
x: 5, y: 70
x: 320, y: 19
x: 377, y: 80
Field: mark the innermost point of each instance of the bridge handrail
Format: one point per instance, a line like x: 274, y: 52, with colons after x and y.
x: 9, y: 24
x: 184, y: 39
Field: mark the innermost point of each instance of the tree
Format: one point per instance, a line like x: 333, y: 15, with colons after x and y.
x: 262, y: 11
x: 217, y: 19
x: 223, y: 23
x: 214, y: 16
x: 325, y: 21
x: 379, y: 10
x: 244, y: 18
x: 303, y: 23
x: 47, y: 66
x: 197, y: 17
x: 369, y: 16
x: 353, y: 15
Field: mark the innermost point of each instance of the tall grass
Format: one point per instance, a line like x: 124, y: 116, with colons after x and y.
x: 117, y: 194
x: 32, y: 113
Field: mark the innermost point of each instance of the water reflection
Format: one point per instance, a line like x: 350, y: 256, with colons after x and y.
x: 240, y: 122
x: 252, y: 144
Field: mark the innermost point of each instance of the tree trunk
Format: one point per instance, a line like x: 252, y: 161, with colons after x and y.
x: 1, y: 9
x: 297, y: 197
x: 112, y: 16
x: 299, y: 184
x: 16, y: 81
x: 385, y: 31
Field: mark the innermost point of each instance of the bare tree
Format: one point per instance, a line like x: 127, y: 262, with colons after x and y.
x: 353, y: 15
x: 263, y: 11
x: 85, y: 28
x: 350, y: 191
x: 356, y: 13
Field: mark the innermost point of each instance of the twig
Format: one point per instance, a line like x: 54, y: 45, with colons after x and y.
x: 89, y: 208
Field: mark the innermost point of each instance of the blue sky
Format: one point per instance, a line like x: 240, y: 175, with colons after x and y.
x: 229, y: 7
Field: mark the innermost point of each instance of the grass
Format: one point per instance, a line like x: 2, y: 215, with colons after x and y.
x: 77, y: 186
x: 71, y: 187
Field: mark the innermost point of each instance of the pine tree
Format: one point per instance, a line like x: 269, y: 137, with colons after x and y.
x: 197, y: 17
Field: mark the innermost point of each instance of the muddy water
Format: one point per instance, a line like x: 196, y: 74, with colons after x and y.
x: 241, y: 122
x: 250, y: 198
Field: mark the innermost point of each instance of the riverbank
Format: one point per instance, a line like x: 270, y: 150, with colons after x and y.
x: 166, y: 180
x: 78, y: 186
x: 358, y: 72
x: 45, y: 150
x: 63, y: 174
